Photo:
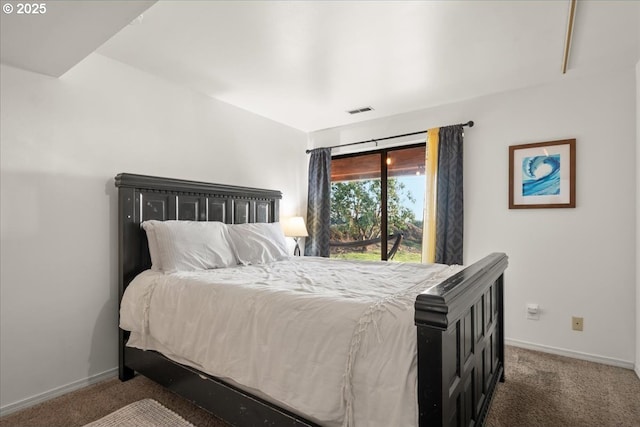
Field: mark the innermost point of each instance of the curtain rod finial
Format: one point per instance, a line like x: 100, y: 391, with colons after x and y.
x: 470, y: 123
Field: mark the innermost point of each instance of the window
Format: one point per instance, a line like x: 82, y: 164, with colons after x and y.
x: 375, y: 191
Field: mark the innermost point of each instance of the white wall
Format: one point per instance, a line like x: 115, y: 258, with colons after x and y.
x: 570, y: 261
x: 638, y: 218
x: 637, y: 368
x: 62, y: 142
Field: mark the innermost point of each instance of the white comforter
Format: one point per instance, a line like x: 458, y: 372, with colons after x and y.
x: 333, y: 340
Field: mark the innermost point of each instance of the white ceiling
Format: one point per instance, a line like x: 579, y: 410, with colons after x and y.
x: 304, y: 63
x: 62, y: 33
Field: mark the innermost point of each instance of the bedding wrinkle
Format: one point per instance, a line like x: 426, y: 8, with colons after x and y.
x: 146, y: 308
x: 145, y: 314
x: 334, y: 341
x: 370, y: 319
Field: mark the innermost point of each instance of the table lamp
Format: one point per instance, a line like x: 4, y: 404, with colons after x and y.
x: 294, y: 227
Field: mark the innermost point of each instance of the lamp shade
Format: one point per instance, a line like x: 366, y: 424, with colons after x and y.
x: 294, y: 227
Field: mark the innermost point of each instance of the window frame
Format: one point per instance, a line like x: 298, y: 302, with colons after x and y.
x: 383, y: 186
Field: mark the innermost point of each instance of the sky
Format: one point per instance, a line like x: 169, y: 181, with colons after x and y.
x: 415, y: 185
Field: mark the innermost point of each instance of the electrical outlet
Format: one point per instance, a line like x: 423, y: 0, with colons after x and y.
x: 577, y: 323
x: 533, y: 311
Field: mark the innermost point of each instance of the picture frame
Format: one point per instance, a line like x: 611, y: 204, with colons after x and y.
x: 543, y: 175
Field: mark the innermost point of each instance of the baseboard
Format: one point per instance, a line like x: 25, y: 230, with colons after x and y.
x: 637, y: 370
x: 58, y: 391
x: 571, y: 353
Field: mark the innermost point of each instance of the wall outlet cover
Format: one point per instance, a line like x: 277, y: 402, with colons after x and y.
x: 533, y: 312
x: 577, y: 323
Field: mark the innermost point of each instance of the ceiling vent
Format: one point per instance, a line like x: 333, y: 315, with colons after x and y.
x: 360, y: 110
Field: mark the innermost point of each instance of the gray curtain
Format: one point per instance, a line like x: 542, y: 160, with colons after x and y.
x: 319, y: 203
x: 450, y: 206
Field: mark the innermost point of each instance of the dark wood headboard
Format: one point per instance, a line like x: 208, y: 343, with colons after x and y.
x: 142, y: 198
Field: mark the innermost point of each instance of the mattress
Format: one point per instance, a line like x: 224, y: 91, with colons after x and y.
x: 333, y: 340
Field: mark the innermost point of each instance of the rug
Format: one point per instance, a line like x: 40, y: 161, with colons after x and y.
x: 143, y: 413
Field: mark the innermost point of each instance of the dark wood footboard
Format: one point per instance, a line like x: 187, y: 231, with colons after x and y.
x: 461, y: 344
x: 459, y: 323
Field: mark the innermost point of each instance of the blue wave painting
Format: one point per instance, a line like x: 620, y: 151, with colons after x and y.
x: 541, y: 175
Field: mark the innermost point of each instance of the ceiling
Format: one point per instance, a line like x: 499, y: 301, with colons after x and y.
x: 305, y: 63
x: 63, y: 33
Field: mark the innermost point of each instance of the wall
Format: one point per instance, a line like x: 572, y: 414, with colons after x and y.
x: 569, y: 261
x: 62, y: 142
x: 637, y: 368
x: 638, y: 217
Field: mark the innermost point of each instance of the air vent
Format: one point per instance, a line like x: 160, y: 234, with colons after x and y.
x: 360, y: 110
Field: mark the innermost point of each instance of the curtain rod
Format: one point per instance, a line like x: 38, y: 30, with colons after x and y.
x: 376, y: 140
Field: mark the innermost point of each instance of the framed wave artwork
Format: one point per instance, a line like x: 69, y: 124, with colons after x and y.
x: 543, y: 175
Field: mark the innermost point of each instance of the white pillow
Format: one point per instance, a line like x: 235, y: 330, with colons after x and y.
x: 190, y: 245
x: 156, y: 265
x: 258, y: 243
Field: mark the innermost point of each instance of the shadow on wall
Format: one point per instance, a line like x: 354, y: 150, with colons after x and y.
x: 104, y: 324
x: 58, y: 280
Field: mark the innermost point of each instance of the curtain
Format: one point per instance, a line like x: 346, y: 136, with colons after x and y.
x: 431, y: 174
x: 319, y: 203
x: 444, y: 209
x: 450, y: 206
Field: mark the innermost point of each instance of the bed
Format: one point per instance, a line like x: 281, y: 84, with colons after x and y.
x: 459, y: 332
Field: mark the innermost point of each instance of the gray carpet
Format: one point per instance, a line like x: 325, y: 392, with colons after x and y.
x: 546, y: 390
x: 541, y: 390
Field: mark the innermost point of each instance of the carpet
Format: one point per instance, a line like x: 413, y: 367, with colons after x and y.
x: 541, y: 390
x: 143, y: 413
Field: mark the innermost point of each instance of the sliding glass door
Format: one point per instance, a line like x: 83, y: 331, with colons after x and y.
x: 356, y: 207
x: 405, y: 201
x: 376, y: 191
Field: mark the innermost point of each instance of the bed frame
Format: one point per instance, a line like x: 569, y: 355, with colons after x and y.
x: 460, y: 329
